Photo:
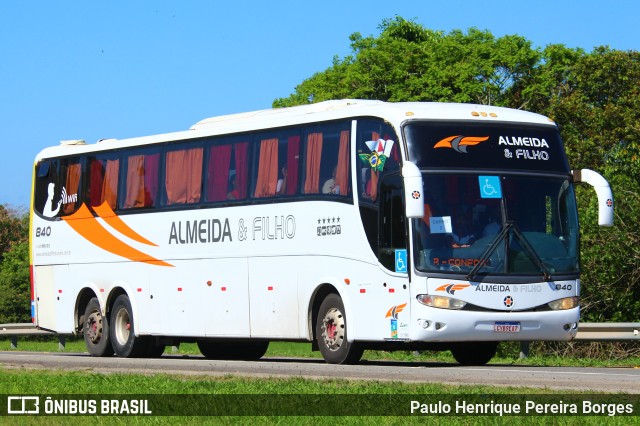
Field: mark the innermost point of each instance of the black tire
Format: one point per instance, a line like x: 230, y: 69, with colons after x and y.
x: 331, y: 333
x: 95, y: 330
x: 474, y: 353
x: 123, y: 339
x: 245, y: 351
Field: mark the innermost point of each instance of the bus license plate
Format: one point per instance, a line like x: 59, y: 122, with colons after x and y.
x: 506, y: 327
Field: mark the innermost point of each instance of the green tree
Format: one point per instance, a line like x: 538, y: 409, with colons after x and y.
x: 15, y: 285
x: 408, y: 62
x: 14, y: 266
x: 14, y: 228
x: 596, y: 99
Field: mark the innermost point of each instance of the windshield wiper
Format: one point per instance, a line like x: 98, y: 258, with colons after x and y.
x: 530, y: 251
x: 489, y: 250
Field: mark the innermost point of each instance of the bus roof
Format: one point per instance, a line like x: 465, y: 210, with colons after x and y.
x: 393, y: 112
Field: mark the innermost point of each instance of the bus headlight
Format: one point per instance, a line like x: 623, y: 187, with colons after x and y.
x: 440, y: 301
x: 565, y: 303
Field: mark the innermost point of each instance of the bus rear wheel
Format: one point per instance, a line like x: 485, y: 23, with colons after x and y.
x: 245, y: 351
x: 96, y: 330
x: 474, y: 353
x: 123, y: 338
x: 331, y: 333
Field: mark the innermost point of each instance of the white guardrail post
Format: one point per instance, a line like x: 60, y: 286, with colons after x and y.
x: 608, y: 331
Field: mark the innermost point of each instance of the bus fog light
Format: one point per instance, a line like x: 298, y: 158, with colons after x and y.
x: 424, y: 323
x: 565, y: 303
x: 441, y: 302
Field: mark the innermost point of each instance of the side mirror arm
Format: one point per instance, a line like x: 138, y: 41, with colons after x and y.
x: 413, y: 190
x: 603, y: 191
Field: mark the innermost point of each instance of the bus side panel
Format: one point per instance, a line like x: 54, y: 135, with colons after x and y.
x: 54, y: 301
x: 375, y: 301
x: 44, y: 292
x: 194, y: 298
x: 378, y: 309
x: 225, y: 301
x: 273, y: 292
x: 170, y: 303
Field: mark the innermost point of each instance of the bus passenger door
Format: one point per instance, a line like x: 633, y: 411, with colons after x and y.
x: 392, y: 255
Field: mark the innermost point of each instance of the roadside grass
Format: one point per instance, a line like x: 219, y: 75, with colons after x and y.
x: 87, y: 385
x: 507, y: 355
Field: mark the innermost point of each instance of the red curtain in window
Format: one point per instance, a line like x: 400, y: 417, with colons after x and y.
x: 71, y: 187
x: 151, y: 166
x: 267, y: 169
x: 241, y: 150
x: 183, y: 176
x: 314, y: 153
x: 293, y: 158
x: 342, y: 169
x: 96, y: 177
x: 194, y: 183
x: 135, y: 182
x: 110, y: 183
x: 218, y: 172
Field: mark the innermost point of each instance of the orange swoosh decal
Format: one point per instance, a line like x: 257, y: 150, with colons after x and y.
x: 105, y: 212
x: 397, y: 309
x: 466, y: 140
x: 88, y: 227
x: 445, y: 143
x: 471, y: 140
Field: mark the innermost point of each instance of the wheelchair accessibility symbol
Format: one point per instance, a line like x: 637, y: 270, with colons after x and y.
x: 401, y: 261
x: 490, y: 187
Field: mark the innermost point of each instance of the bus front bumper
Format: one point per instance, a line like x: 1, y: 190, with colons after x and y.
x: 442, y: 325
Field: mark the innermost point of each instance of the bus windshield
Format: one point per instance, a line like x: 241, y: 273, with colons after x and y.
x: 496, y: 224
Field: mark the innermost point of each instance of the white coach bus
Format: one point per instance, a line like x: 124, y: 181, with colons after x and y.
x: 351, y: 224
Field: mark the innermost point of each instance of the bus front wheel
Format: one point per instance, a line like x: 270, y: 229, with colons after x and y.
x: 331, y: 333
x: 96, y: 330
x: 474, y: 353
x: 123, y: 338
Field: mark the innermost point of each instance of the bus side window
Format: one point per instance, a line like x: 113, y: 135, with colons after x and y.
x: 103, y: 181
x: 267, y: 173
x: 327, y: 163
x: 141, y: 183
x: 226, y: 171
x: 72, y: 172
x: 378, y: 153
x: 183, y: 176
x: 47, y: 199
x: 277, y: 164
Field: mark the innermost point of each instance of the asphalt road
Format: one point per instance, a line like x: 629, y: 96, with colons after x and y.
x: 613, y: 380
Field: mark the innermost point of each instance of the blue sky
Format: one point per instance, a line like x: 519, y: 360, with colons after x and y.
x: 92, y: 70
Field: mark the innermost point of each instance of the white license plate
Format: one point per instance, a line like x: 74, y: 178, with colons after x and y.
x: 506, y: 327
